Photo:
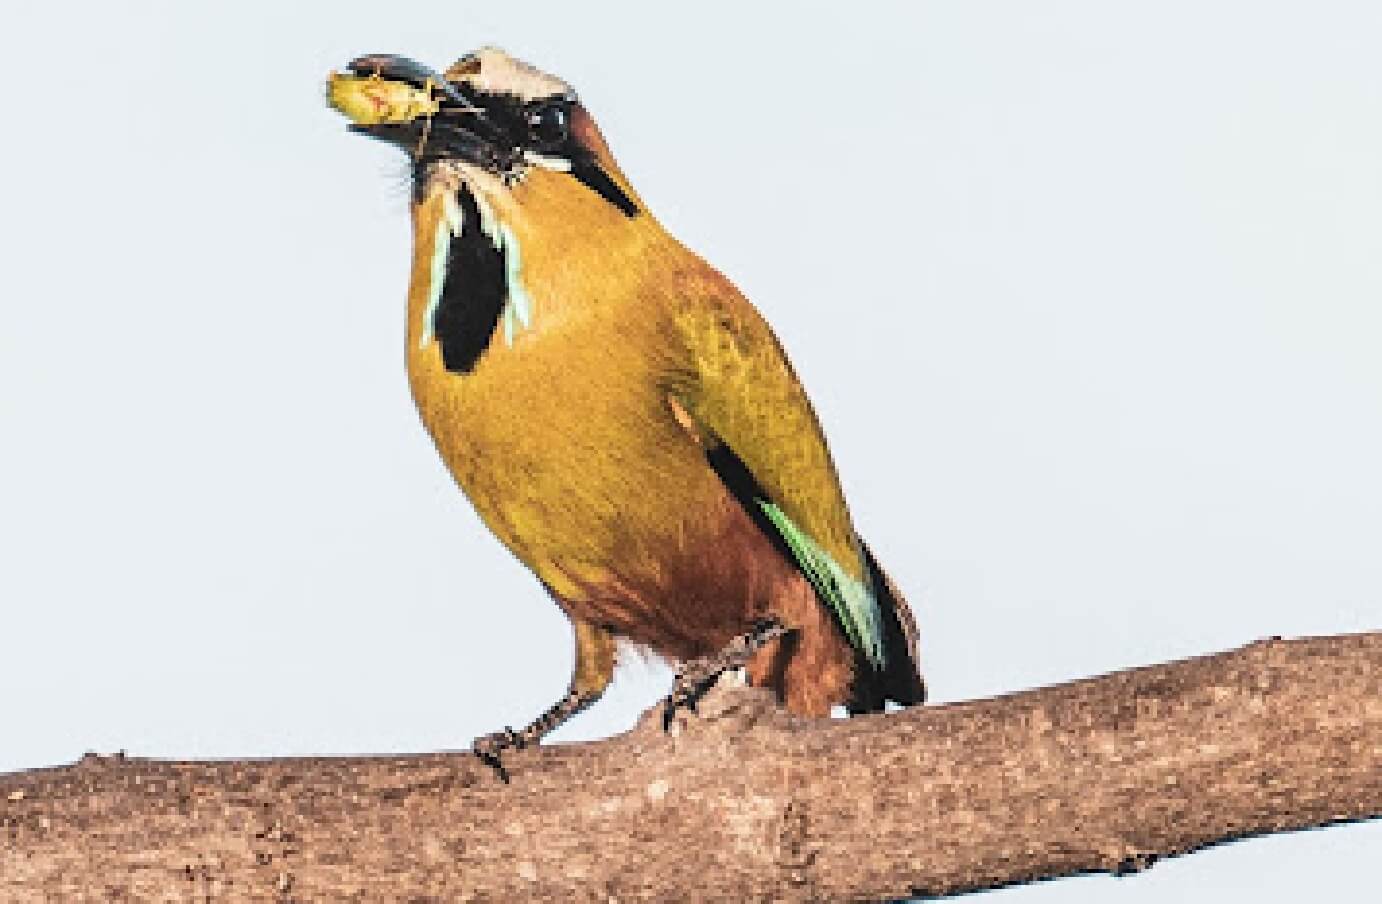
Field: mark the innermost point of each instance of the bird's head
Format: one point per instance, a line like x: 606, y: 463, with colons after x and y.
x: 489, y: 123
x: 507, y: 165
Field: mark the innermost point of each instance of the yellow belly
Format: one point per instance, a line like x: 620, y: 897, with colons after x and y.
x: 566, y: 446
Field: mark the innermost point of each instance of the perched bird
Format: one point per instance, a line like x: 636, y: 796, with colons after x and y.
x: 620, y: 416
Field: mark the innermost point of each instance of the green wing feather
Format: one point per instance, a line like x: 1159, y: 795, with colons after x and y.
x: 740, y: 390
x: 851, y: 600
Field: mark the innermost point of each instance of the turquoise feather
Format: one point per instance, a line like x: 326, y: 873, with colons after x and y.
x: 852, y: 600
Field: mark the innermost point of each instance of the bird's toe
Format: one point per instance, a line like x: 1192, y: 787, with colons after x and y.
x: 490, y: 749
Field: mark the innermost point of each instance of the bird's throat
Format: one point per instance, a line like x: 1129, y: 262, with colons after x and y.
x: 469, y: 270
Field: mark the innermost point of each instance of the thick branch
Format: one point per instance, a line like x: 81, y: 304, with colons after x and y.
x: 742, y: 802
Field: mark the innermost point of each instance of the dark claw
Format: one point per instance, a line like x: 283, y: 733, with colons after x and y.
x: 491, y: 747
x: 687, y: 693
x: 678, y: 698
x: 493, y: 761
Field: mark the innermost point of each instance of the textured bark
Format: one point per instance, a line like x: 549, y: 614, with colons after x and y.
x: 741, y: 802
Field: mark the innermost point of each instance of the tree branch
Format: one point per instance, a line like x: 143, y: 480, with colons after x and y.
x: 741, y: 802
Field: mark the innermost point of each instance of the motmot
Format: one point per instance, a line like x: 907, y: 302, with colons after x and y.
x: 619, y: 415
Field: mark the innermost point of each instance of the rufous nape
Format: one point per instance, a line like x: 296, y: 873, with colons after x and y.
x: 621, y: 417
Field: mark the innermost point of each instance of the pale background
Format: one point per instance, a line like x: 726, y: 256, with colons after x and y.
x: 1087, y: 295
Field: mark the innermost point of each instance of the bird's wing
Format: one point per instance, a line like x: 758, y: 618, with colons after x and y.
x: 738, y: 394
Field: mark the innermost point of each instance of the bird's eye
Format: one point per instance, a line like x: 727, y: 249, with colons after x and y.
x: 547, y: 125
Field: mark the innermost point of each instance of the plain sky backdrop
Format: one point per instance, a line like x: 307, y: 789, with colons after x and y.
x: 1087, y: 295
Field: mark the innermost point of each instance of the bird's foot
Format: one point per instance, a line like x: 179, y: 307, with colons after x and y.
x: 699, y: 675
x: 490, y: 749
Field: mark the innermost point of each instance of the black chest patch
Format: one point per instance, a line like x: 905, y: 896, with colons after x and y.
x: 473, y: 293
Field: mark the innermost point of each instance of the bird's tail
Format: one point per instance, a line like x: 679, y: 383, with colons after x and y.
x: 899, y: 679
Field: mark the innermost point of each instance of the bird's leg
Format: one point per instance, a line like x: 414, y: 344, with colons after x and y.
x: 490, y: 747
x: 699, y: 675
x: 593, y: 671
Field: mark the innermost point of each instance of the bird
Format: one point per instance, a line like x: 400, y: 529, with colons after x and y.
x: 621, y: 417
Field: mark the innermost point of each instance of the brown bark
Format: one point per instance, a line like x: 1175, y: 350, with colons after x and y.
x: 741, y: 802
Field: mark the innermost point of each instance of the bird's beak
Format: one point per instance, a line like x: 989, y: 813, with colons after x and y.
x: 401, y: 101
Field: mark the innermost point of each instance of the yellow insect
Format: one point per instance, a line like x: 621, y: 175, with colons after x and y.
x: 370, y: 100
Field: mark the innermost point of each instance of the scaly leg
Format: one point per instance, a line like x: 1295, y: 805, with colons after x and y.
x: 699, y: 675
x: 594, y: 669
